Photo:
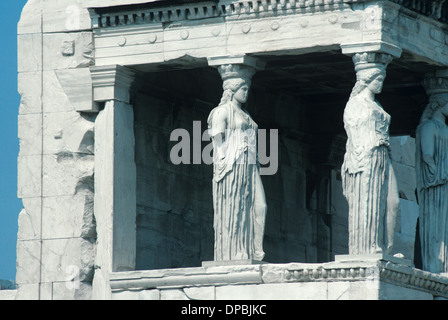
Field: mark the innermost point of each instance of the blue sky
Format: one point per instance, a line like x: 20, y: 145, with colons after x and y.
x: 10, y: 206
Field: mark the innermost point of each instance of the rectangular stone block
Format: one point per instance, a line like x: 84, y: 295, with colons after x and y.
x: 123, y: 42
x: 46, y: 291
x: 8, y: 294
x: 28, y: 292
x: 173, y: 294
x: 67, y: 132
x: 403, y: 150
x: 29, y: 176
x: 283, y: 291
x: 67, y: 260
x: 406, y: 180
x: 348, y: 290
x: 409, y: 215
x: 54, y: 98
x: 125, y: 45
x: 30, y: 134
x: 68, y: 216
x: 125, y: 295
x: 30, y: 219
x: 298, y: 33
x: 29, y: 87
x: 28, y: 262
x: 29, y: 52
x: 196, y: 40
x: 77, y: 85
x: 389, y: 291
x: 137, y: 295
x: 67, y: 50
x: 65, y: 16
x: 66, y: 173
x: 404, y: 244
x: 200, y: 293
x: 71, y: 291
x: 31, y: 18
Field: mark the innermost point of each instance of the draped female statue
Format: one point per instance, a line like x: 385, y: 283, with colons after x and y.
x: 238, y: 196
x: 368, y: 178
x: 432, y: 183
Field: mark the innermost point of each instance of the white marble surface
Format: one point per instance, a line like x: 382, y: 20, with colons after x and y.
x: 349, y: 279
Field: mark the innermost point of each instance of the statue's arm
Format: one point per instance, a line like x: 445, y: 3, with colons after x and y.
x: 218, y: 125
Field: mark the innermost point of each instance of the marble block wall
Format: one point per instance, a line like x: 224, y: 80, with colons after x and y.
x: 56, y: 238
x: 403, y: 161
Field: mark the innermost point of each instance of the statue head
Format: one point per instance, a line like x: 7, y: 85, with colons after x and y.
x: 370, y: 71
x: 436, y: 102
x: 436, y: 86
x: 371, y: 79
x: 235, y: 77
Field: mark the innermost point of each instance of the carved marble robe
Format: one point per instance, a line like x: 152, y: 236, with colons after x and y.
x: 368, y: 178
x: 238, y: 196
x: 432, y: 184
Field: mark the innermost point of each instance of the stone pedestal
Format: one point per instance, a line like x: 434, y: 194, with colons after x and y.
x: 349, y: 278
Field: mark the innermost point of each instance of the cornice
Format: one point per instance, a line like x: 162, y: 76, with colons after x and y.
x: 167, y: 13
x: 209, y: 9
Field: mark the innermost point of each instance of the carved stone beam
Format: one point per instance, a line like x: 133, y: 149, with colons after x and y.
x: 371, y: 46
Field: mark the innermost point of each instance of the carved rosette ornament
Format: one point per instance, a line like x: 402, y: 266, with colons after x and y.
x: 432, y: 174
x: 368, y: 178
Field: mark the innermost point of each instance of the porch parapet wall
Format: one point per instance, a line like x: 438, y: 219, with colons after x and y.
x: 375, y: 276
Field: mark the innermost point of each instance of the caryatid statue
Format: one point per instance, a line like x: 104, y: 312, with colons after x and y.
x: 432, y: 176
x: 368, y: 179
x: 238, y: 196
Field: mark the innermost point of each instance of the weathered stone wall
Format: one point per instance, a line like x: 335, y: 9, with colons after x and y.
x: 56, y: 238
x: 174, y: 202
x: 403, y: 161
